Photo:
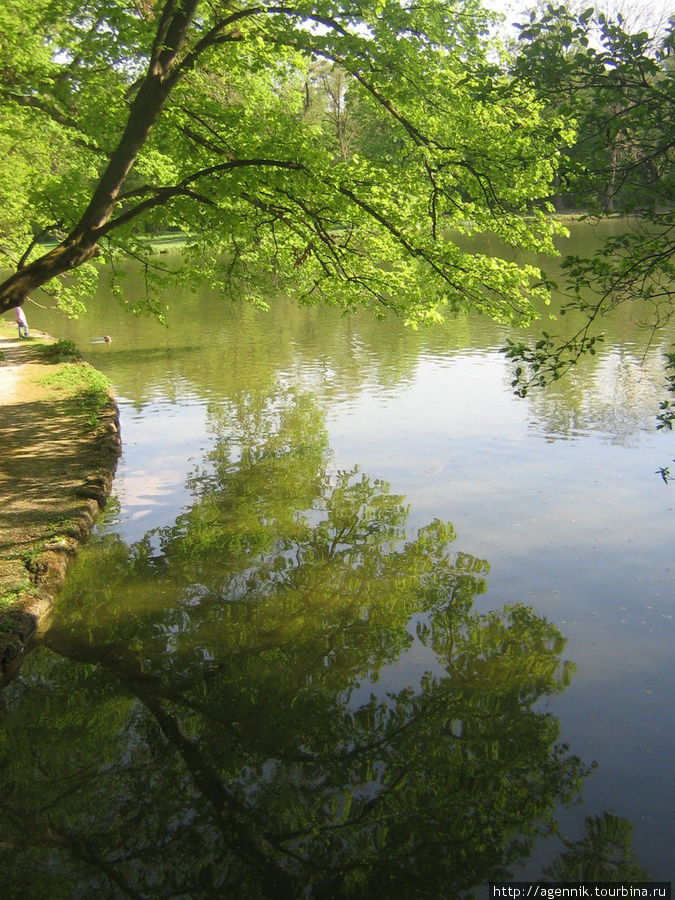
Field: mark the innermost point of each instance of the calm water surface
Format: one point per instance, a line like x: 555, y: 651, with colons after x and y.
x: 357, y: 622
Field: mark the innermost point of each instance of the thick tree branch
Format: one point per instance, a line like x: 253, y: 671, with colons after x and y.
x: 163, y: 195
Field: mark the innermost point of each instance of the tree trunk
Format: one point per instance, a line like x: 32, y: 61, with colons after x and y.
x: 67, y: 256
x: 610, y: 188
x: 82, y: 242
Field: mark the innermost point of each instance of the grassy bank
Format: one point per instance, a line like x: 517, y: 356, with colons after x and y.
x: 60, y: 436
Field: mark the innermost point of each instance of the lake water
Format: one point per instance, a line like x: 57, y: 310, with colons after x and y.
x: 357, y: 622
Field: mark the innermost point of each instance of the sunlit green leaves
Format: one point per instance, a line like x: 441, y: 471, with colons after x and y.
x: 268, y: 200
x: 619, y: 89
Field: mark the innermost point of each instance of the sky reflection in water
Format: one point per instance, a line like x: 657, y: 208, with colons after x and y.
x: 558, y: 493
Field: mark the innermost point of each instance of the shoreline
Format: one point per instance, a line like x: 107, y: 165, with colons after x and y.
x: 56, y: 473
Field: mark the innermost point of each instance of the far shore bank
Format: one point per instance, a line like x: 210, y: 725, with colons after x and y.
x: 60, y: 439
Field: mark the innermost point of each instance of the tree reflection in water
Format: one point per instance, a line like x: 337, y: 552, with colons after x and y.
x: 205, y: 719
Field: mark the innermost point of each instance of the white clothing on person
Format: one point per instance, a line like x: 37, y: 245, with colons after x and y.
x: 21, y: 322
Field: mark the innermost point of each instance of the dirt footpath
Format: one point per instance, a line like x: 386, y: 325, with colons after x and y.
x: 56, y: 471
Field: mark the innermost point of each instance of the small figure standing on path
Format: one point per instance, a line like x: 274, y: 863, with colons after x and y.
x: 21, y: 322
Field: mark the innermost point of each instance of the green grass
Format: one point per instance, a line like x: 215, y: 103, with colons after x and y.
x: 81, y: 382
x: 162, y: 243
x: 61, y: 351
x: 10, y: 597
x: 7, y: 601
